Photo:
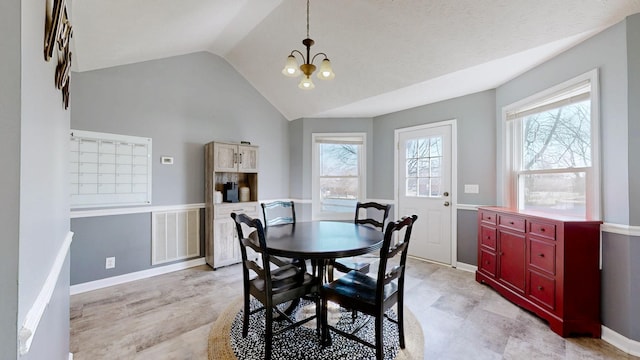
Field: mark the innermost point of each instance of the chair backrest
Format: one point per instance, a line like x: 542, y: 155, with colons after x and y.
x: 378, y: 221
x: 385, y: 275
x: 255, y: 240
x: 278, y: 212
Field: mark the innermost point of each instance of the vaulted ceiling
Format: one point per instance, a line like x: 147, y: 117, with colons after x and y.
x: 388, y: 55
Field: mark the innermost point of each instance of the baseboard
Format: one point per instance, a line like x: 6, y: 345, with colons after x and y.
x: 34, y: 315
x: 621, y: 342
x: 466, y: 267
x: 139, y: 275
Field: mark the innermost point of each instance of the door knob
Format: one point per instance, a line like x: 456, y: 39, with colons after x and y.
x: 445, y: 193
x: 446, y: 203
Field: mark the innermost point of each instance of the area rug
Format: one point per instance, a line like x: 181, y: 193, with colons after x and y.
x: 226, y: 342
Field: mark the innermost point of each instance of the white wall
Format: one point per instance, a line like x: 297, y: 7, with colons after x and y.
x: 44, y: 215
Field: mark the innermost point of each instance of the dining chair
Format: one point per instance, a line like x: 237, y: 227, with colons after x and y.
x: 278, y: 213
x: 373, y: 296
x: 274, y: 283
x: 282, y: 213
x: 376, y: 216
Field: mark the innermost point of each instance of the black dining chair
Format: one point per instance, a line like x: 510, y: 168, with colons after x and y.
x: 373, y: 296
x: 278, y: 213
x: 376, y: 221
x: 281, y: 213
x: 274, y: 282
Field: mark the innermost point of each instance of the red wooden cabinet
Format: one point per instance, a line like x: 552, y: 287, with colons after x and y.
x: 545, y: 264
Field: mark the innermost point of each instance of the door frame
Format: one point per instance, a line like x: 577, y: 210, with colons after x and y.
x: 454, y: 177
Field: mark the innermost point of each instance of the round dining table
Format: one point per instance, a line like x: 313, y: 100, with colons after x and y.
x: 322, y: 240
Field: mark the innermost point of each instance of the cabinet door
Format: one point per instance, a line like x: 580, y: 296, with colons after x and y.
x: 226, y: 249
x: 487, y: 262
x: 225, y: 157
x: 511, y: 258
x: 248, y: 159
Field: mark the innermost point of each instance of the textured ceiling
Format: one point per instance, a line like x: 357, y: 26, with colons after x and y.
x: 388, y: 55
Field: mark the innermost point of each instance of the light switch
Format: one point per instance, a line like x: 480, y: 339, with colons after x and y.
x: 471, y: 188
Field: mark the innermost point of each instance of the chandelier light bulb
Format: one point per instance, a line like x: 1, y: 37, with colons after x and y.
x: 291, y: 68
x: 326, y: 73
x: 306, y: 83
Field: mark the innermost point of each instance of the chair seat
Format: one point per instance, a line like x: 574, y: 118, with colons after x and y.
x: 359, y: 286
x: 344, y: 266
x: 284, y: 278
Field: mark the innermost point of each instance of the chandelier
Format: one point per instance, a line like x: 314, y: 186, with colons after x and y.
x: 292, y: 69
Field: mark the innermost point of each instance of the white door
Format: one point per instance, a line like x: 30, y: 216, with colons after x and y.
x: 424, y: 166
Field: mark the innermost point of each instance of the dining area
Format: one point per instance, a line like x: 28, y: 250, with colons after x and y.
x: 320, y: 288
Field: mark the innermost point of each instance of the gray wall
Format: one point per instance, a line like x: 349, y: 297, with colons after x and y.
x: 44, y: 205
x: 633, y: 75
x: 181, y: 103
x: 607, y: 52
x: 475, y: 115
x: 10, y: 176
x: 615, y: 53
x: 467, y: 228
x: 300, y: 142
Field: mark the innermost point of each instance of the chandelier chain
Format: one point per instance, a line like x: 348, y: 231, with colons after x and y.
x: 307, y: 19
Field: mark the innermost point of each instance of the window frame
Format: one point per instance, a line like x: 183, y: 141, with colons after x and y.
x: 316, y: 139
x: 512, y: 146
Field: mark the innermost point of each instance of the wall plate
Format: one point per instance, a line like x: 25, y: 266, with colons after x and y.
x: 166, y: 160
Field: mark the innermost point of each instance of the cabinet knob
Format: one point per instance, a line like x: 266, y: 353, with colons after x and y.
x: 510, y: 222
x: 541, y: 229
x: 487, y: 262
x: 540, y: 288
x: 541, y: 255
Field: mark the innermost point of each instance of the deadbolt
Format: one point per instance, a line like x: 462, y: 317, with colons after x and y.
x: 445, y: 194
x: 446, y: 203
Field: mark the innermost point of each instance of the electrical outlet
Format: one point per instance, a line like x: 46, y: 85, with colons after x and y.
x: 110, y: 263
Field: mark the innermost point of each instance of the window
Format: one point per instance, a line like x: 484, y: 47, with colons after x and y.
x: 423, y: 167
x: 553, y: 163
x: 338, y: 174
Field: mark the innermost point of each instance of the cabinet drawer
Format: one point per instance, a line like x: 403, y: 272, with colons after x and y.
x: 488, y: 262
x: 488, y: 237
x: 542, y: 289
x: 547, y: 231
x: 511, y: 222
x: 225, y: 210
x: 542, y: 255
x: 488, y: 217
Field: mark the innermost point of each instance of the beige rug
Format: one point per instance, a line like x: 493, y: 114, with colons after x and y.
x: 220, y: 346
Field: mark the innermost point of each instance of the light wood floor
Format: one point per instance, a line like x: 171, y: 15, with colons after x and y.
x: 169, y: 317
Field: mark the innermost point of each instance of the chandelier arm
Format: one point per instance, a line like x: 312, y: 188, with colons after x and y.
x: 301, y: 55
x: 314, y: 57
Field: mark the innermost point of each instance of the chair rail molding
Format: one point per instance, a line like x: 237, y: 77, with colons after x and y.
x: 621, y: 229
x: 34, y: 315
x: 132, y: 210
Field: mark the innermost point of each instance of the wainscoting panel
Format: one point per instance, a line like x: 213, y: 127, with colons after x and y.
x: 175, y: 235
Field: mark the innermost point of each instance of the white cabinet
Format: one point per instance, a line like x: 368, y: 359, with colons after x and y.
x: 235, y: 158
x: 226, y: 247
x: 225, y: 162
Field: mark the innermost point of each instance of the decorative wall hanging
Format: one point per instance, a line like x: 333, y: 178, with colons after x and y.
x: 57, y: 35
